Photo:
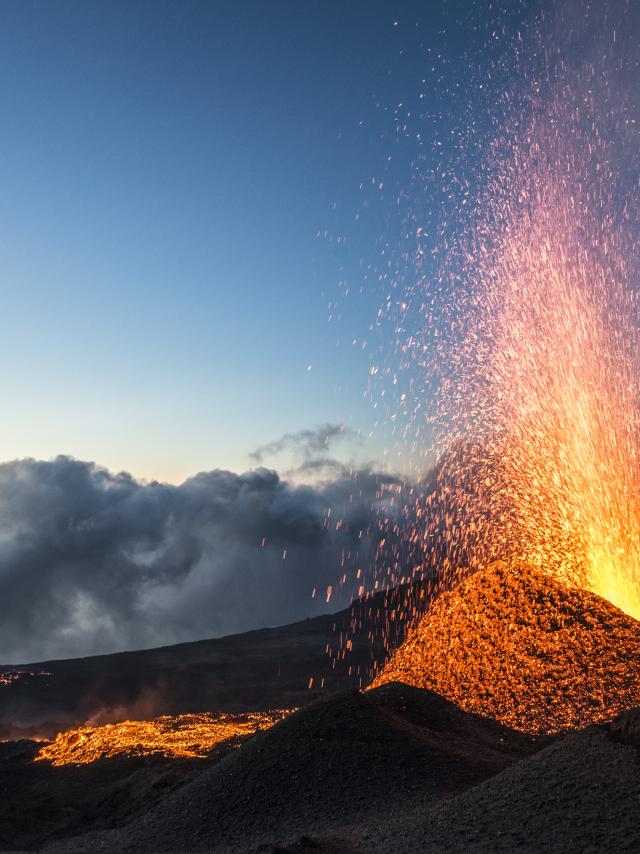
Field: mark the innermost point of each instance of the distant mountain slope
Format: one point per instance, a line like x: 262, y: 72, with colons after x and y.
x: 263, y: 669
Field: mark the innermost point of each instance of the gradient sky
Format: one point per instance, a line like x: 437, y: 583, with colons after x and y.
x: 165, y: 171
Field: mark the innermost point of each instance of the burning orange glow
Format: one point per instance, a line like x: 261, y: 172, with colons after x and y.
x: 189, y: 736
x: 518, y: 368
x: 538, y: 406
x: 513, y: 644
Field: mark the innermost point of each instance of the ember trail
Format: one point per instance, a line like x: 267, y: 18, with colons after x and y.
x: 537, y: 411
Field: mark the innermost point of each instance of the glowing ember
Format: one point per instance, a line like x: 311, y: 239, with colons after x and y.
x: 531, y: 352
x: 512, y: 644
x: 189, y: 736
x: 8, y: 677
x: 548, y: 376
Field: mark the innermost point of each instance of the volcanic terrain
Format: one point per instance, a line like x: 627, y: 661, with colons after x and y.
x: 471, y: 757
x: 513, y: 644
x: 272, y: 668
x: 580, y: 794
x: 346, y: 759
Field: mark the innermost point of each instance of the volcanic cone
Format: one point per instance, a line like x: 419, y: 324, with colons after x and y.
x: 520, y: 647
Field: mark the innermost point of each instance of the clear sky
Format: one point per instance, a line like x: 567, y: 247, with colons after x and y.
x: 165, y: 170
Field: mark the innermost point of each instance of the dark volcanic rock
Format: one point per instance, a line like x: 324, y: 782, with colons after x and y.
x: 401, y: 771
x: 348, y: 758
x: 39, y: 802
x: 581, y: 794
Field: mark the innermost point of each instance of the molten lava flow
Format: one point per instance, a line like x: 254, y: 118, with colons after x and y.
x: 190, y: 736
x: 512, y: 644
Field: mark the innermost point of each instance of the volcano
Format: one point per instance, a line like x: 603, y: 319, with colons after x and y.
x: 515, y: 645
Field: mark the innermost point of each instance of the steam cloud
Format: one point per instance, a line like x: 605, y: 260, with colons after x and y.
x: 93, y: 562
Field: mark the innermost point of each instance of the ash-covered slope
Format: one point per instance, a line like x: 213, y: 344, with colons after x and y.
x: 258, y: 670
x: 350, y: 758
x: 41, y: 802
x: 580, y: 794
x: 517, y: 646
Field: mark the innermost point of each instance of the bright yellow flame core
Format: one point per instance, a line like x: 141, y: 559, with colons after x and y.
x: 540, y: 398
x: 567, y: 471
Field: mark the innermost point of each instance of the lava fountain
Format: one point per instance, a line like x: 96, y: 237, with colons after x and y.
x: 534, y: 502
x: 537, y: 420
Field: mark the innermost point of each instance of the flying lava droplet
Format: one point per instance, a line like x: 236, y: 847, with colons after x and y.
x: 535, y: 363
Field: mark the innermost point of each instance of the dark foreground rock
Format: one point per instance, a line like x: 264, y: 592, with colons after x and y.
x: 398, y: 771
x: 581, y: 794
x: 342, y: 763
x: 40, y: 802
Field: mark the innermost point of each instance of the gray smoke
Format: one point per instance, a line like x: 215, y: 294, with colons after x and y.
x: 93, y: 562
x: 307, y: 443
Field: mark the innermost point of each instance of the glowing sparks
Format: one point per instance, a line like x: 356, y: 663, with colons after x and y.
x: 541, y: 406
x: 519, y: 348
x: 512, y: 644
x: 9, y: 677
x: 512, y: 392
x: 174, y: 736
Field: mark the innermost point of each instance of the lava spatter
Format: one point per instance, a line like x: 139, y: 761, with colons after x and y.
x: 535, y: 410
x: 513, y: 644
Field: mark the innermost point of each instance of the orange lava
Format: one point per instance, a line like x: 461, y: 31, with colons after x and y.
x: 513, y: 644
x: 188, y: 736
x: 537, y: 421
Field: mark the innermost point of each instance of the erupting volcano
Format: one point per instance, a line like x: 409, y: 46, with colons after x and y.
x: 529, y: 352
x: 409, y: 628
x: 524, y: 393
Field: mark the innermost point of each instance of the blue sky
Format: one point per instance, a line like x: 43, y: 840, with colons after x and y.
x: 165, y: 171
